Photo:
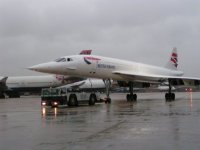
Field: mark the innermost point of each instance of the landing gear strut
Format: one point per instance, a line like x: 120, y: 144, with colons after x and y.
x: 131, y: 96
x: 107, y: 83
x: 170, y: 96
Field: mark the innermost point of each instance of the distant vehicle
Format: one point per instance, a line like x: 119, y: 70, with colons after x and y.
x: 56, y: 97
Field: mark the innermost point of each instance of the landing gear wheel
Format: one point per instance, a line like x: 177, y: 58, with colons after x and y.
x: 108, y: 85
x: 131, y: 97
x: 128, y: 97
x: 108, y: 100
x: 135, y: 97
x: 173, y: 96
x: 169, y: 97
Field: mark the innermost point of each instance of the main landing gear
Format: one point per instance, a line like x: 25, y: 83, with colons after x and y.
x: 170, y: 96
x: 131, y: 96
x: 107, y: 83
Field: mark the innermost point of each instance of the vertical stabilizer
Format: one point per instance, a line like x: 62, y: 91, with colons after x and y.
x: 86, y: 52
x: 173, y: 61
x: 3, y: 85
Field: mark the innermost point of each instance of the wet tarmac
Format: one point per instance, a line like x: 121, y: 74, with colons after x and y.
x: 151, y: 123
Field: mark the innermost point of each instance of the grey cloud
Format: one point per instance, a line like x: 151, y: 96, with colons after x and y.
x: 36, y: 31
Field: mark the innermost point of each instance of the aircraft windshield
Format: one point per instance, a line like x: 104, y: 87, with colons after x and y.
x: 60, y: 60
x: 63, y: 59
x: 69, y: 59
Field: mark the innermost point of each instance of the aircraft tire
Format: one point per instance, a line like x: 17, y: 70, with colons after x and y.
x: 173, y: 96
x: 109, y: 100
x: 134, y: 97
x: 169, y: 97
x: 128, y: 97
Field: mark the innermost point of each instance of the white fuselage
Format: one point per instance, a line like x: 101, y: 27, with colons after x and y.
x: 104, y: 68
x: 33, y: 81
x: 34, y: 84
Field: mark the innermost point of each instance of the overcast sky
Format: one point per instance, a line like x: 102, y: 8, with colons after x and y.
x: 37, y: 31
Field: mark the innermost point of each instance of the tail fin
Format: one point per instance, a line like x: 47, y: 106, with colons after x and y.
x: 86, y: 52
x: 173, y: 62
x: 3, y: 83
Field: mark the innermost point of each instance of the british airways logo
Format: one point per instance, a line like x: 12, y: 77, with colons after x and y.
x: 88, y: 60
x: 174, y: 59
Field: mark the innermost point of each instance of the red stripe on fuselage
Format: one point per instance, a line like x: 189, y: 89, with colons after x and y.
x: 92, y: 58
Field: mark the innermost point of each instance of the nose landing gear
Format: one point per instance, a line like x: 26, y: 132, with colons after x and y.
x: 107, y: 83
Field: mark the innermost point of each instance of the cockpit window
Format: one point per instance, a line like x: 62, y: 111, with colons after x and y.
x: 60, y: 60
x: 63, y: 59
x: 69, y: 59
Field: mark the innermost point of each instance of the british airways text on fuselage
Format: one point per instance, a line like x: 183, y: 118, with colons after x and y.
x: 105, y: 66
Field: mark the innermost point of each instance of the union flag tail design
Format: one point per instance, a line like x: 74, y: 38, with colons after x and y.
x: 86, y: 52
x: 174, y: 57
x: 173, y: 62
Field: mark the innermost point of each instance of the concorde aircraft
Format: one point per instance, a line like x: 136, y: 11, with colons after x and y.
x: 120, y: 70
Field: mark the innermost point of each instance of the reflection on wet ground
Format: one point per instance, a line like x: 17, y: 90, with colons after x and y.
x: 151, y: 123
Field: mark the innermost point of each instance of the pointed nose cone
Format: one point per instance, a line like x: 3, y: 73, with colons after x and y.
x: 46, y: 68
